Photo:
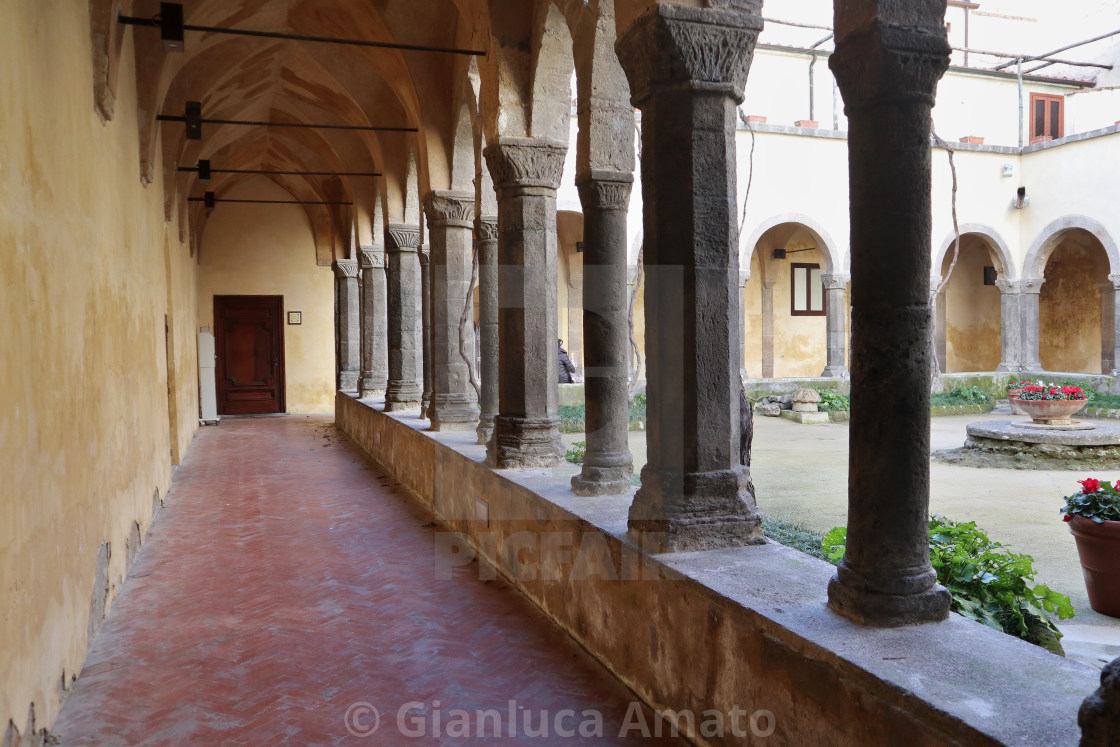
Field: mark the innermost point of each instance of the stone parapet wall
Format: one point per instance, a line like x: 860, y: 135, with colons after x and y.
x: 743, y: 628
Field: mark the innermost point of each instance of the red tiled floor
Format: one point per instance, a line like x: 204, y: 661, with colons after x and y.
x: 287, y: 580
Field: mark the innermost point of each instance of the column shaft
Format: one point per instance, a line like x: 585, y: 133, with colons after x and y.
x: 403, y: 390
x: 1028, y: 320
x: 1111, y: 335
x: 486, y: 232
x: 836, y: 335
x: 887, y: 69
x: 607, y: 463
x: 687, y: 68
x: 526, y: 173
x: 346, y: 323
x: 1010, y: 326
x: 426, y: 330
x: 374, y: 322
x: 450, y: 223
x: 768, y: 328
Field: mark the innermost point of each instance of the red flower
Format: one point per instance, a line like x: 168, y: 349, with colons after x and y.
x: 1032, y: 389
x: 1089, y: 485
x: 1067, y: 518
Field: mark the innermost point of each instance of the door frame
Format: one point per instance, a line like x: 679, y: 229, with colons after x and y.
x: 220, y: 364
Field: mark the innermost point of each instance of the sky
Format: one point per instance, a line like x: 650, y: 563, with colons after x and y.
x: 1010, y: 26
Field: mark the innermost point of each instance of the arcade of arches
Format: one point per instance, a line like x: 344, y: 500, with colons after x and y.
x: 389, y: 173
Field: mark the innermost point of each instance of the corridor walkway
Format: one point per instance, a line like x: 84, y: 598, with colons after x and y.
x: 288, y: 587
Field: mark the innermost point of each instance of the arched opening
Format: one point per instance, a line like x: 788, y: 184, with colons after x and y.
x: 968, y: 308
x: 569, y: 285
x: 1072, y: 307
x: 784, y: 306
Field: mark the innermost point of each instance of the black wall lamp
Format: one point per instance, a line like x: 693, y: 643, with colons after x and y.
x: 1021, y: 200
x: 781, y: 253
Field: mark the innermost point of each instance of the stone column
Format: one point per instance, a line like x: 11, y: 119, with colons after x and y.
x: 940, y: 338
x: 1111, y: 326
x: 403, y: 390
x: 375, y: 317
x: 607, y: 463
x: 486, y: 234
x: 888, y: 60
x: 768, y: 328
x: 346, y: 319
x: 526, y: 173
x: 450, y: 227
x: 836, y: 336
x: 426, y: 329
x: 1010, y: 325
x: 687, y: 68
x: 1028, y: 321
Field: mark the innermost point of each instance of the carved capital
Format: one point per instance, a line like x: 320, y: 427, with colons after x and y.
x: 425, y: 254
x: 674, y: 47
x: 888, y: 63
x: 446, y: 208
x: 486, y: 227
x: 1032, y: 285
x: 402, y: 237
x: 525, y: 162
x: 371, y: 256
x: 834, y: 280
x: 345, y: 268
x: 1009, y: 286
x: 605, y: 190
x: 1115, y: 280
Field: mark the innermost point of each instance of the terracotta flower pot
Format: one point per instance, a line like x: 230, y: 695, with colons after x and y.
x: 1051, y: 411
x: 1098, y: 546
x: 1013, y: 400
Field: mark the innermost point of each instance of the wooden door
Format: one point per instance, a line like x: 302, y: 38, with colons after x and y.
x: 249, y: 337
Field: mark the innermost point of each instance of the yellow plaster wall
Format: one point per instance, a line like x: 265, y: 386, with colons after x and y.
x: 269, y: 250
x: 800, y: 345
x: 84, y: 436
x: 752, y: 320
x: 1069, y: 309
x: 972, y: 311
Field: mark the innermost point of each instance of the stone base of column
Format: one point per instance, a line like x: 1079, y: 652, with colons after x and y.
x: 1007, y: 368
x: 485, y: 428
x: 864, y: 606
x: 676, y: 512
x: 525, y: 442
x: 604, y: 474
x: 426, y: 404
x: 453, y: 412
x: 402, y: 395
x: 370, y: 385
x: 348, y: 381
x: 836, y: 372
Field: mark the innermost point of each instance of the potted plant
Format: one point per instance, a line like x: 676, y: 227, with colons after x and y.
x: 1014, y: 389
x: 1093, y: 514
x: 1051, y: 405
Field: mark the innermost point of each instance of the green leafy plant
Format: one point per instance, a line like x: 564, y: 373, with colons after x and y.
x: 1097, y: 501
x: 832, y: 400
x: 575, y: 454
x: 1096, y: 398
x: 988, y: 582
x: 1019, y: 384
x: 961, y: 395
x: 637, y: 407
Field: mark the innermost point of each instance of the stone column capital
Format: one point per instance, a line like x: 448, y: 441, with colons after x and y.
x: 835, y: 280
x: 1115, y: 280
x: 519, y: 162
x: 425, y: 253
x: 402, y: 237
x: 1032, y: 285
x: 883, y: 62
x: 1009, y: 286
x: 486, y: 228
x: 743, y: 278
x: 769, y: 283
x: 449, y: 208
x: 674, y: 47
x: 345, y: 268
x: 605, y: 190
x: 371, y: 256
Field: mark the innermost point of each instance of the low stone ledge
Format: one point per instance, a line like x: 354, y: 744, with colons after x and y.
x: 943, y: 410
x: 739, y: 628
